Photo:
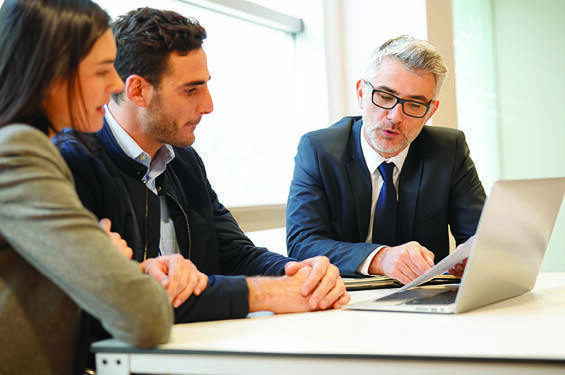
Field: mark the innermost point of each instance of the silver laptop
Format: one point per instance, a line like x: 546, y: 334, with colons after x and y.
x: 505, y: 258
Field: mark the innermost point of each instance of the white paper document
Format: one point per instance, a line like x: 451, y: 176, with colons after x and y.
x: 446, y: 263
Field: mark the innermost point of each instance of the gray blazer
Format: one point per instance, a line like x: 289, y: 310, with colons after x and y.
x: 55, y: 261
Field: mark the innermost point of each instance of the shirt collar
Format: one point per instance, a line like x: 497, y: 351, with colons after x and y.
x: 373, y: 159
x: 130, y: 146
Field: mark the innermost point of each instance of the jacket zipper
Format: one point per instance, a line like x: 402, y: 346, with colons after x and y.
x: 187, y: 223
x: 146, y: 218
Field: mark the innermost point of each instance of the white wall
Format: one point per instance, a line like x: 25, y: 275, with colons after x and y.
x: 476, y: 84
x: 510, y: 56
x: 529, y: 42
x: 440, y: 33
x: 354, y: 29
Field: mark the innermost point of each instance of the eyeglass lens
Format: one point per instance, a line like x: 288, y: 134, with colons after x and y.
x: 388, y: 101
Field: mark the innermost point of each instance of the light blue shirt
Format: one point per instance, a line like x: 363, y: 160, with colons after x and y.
x: 168, y: 243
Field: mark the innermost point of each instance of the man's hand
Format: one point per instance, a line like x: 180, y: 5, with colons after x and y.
x: 458, y: 269
x: 178, y: 275
x: 323, y: 284
x: 117, y: 240
x: 278, y: 294
x: 403, y: 263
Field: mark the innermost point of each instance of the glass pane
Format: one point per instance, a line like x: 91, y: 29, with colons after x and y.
x: 249, y: 141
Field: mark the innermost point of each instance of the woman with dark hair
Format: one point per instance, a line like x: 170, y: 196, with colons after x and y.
x: 56, y: 71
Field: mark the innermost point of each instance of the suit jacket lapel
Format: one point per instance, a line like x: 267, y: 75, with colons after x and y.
x: 359, y: 180
x: 408, y: 188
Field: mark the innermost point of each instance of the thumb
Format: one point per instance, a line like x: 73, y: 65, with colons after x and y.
x: 105, y: 224
x: 428, y: 256
x: 291, y: 267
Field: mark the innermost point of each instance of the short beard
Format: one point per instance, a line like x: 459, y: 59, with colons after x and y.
x: 373, y: 141
x: 382, y: 150
x: 159, y: 127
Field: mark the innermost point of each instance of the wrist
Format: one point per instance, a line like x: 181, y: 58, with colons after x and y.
x: 375, y: 268
x: 260, y: 293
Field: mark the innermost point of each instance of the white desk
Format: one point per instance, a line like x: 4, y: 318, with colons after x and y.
x: 523, y: 335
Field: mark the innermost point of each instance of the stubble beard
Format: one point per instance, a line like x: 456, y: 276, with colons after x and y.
x: 377, y: 144
x: 161, y: 128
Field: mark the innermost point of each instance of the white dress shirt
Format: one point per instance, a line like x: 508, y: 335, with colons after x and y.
x: 168, y: 243
x: 373, y: 159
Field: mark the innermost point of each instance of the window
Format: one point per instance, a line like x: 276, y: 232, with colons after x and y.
x: 249, y: 141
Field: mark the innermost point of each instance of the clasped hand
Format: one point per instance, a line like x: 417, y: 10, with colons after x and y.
x: 179, y: 276
x: 315, y: 281
x: 323, y: 285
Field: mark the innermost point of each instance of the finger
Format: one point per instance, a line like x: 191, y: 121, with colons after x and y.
x: 181, y: 298
x: 429, y: 256
x: 178, y: 274
x: 460, y: 269
x: 400, y: 277
x: 126, y: 251
x: 316, y: 278
x: 156, y: 271
x: 328, y: 283
x: 122, y: 244
x: 292, y: 267
x: 342, y: 301
x: 419, y: 262
x: 404, y: 274
x: 407, y: 265
x: 334, y: 294
x: 202, y: 283
x: 187, y: 291
x: 105, y: 224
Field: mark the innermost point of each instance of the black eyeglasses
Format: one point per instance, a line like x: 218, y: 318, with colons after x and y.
x: 386, y: 100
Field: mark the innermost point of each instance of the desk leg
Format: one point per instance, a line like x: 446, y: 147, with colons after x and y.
x: 112, y: 364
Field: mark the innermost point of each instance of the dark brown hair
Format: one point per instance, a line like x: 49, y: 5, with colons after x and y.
x: 41, y: 41
x: 145, y: 38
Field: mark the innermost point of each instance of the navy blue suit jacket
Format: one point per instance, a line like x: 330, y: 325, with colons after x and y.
x: 329, y: 204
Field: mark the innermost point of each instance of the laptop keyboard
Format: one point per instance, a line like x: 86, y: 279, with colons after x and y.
x: 444, y: 298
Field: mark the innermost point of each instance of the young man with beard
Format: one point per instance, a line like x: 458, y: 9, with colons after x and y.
x: 140, y: 172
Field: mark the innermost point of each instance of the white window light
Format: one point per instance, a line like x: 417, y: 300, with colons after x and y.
x: 252, y: 12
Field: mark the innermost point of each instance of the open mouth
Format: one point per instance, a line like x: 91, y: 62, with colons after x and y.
x: 390, y: 132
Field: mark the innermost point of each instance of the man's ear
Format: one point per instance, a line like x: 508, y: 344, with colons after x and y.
x: 138, y: 90
x: 359, y: 91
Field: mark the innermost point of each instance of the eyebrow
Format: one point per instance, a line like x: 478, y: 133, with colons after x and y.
x: 198, y: 82
x: 394, y: 92
x: 109, y: 61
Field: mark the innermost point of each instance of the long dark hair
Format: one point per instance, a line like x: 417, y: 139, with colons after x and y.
x: 41, y: 41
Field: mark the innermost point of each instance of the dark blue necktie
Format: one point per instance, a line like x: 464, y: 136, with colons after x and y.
x: 386, y: 209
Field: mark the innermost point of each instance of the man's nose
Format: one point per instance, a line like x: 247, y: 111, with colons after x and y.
x: 395, y: 114
x: 207, y: 105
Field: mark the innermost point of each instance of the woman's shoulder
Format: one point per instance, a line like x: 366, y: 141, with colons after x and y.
x: 22, y: 141
x: 21, y: 135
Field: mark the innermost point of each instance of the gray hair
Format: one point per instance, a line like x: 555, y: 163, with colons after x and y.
x: 414, y: 53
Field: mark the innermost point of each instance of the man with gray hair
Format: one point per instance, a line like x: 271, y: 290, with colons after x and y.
x: 376, y: 193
